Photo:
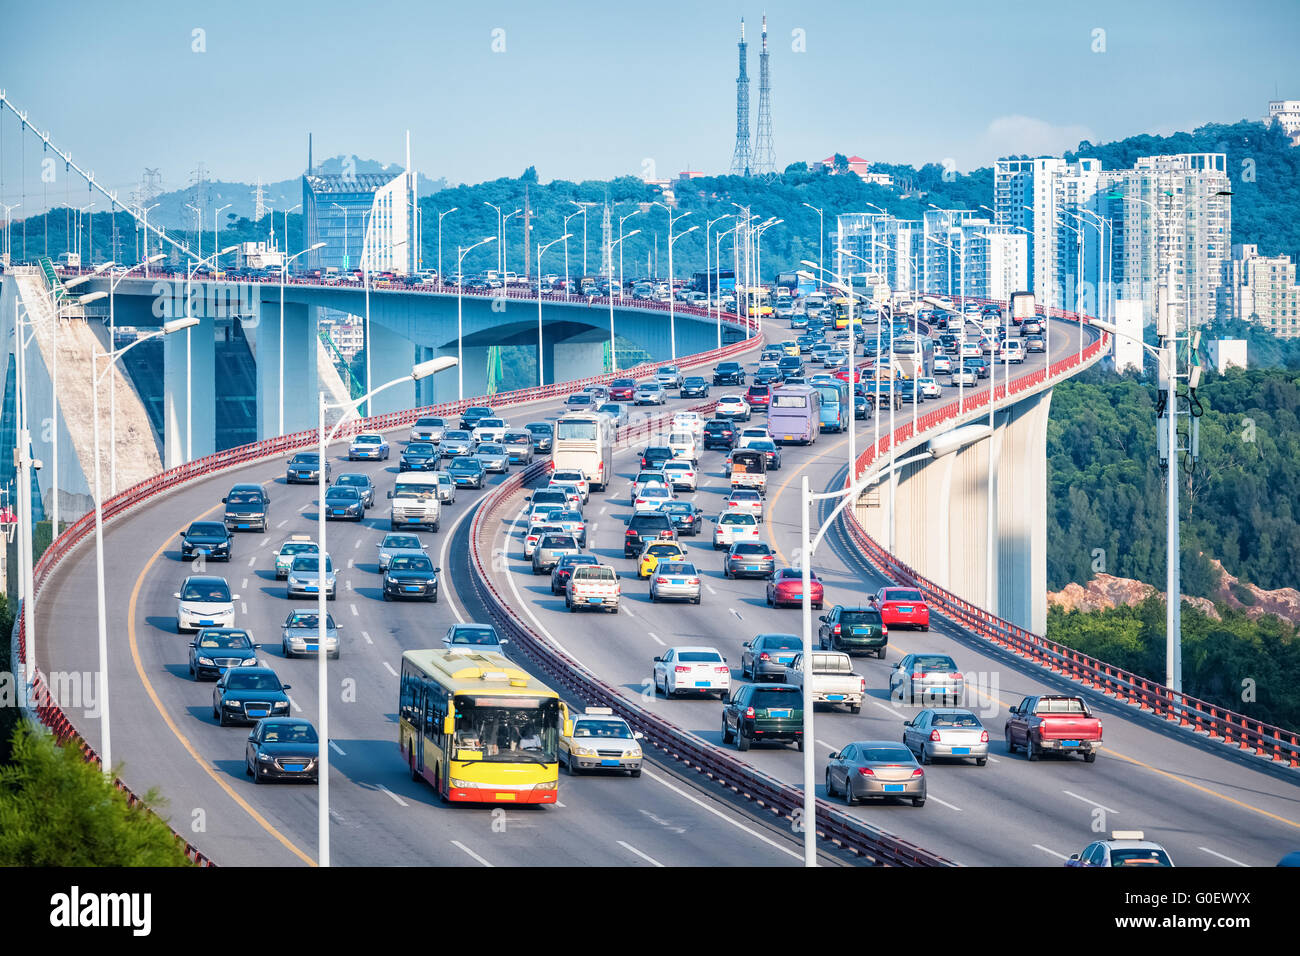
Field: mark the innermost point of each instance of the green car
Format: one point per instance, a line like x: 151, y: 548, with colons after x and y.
x: 759, y: 712
x: 853, y: 630
x: 296, y: 545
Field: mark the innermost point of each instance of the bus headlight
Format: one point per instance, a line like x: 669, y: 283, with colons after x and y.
x: 552, y: 785
x: 461, y: 784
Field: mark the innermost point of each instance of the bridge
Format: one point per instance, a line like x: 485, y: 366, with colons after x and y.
x: 1214, y: 787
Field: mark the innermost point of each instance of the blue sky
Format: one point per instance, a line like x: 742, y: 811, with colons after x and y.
x: 592, y: 90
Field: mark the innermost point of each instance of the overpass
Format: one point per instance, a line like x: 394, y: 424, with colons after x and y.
x: 1210, y: 803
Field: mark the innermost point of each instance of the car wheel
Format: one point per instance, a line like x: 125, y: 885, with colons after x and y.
x: 257, y: 775
x: 742, y: 742
x: 386, y: 597
x: 918, y: 801
x: 1006, y: 734
x: 981, y: 761
x: 1089, y: 757
x: 1031, y: 753
x: 727, y: 735
x: 192, y: 674
x: 925, y: 755
x: 696, y: 600
x: 248, y: 768
x: 221, y: 717
x: 880, y: 653
x: 855, y: 708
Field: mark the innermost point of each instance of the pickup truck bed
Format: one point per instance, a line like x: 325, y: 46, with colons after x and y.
x: 833, y: 679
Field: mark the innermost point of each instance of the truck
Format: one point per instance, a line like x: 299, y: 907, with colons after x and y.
x: 749, y: 470
x: 593, y: 586
x: 415, y: 501
x: 1053, y: 724
x: 833, y: 679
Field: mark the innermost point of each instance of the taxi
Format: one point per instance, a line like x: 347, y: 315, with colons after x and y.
x: 656, y: 551
x: 791, y: 348
x: 296, y: 545
x: 599, y: 741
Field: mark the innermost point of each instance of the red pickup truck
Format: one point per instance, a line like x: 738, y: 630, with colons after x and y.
x: 1061, y: 725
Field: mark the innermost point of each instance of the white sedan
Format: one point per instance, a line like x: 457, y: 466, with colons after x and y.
x: 698, y: 670
x: 965, y: 376
x: 733, y: 406
x: 692, y: 422
x: 929, y: 388
x: 370, y: 445
x: 646, y: 479
x: 571, y: 479
x: 681, y: 474
x: 730, y: 527
x: 745, y: 500
x: 652, y: 498
x: 683, y: 445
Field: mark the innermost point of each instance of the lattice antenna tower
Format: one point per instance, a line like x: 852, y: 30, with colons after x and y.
x: 764, y: 154
x: 260, y: 205
x: 740, y: 159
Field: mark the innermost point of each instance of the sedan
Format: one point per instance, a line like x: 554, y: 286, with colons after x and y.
x: 563, y: 569
x: 457, y: 442
x: 621, y: 389
x: 282, y: 748
x: 785, y: 587
x: 686, y: 516
x: 467, y: 472
x: 733, y: 526
x: 692, y: 670
x: 543, y: 436
x: 675, y: 581
x: 204, y: 602
x: 296, y: 545
x: 652, y: 498
x: 305, y: 467
x: 214, y: 649
x: 966, y: 377
x: 305, y: 579
x: 681, y: 474
x: 369, y: 445
x: 947, y: 733
x: 926, y: 676
x: 362, y: 483
x: 929, y: 388
x: 300, y: 634
x: 494, y: 457
x: 208, y: 539
x: 733, y: 406
x: 744, y: 500
x: 657, y: 553
x: 650, y: 393
x: 411, y: 576
x: 903, y: 607
x: 394, y: 542
x: 695, y: 387
x: 550, y: 548
x: 344, y: 502
x: 749, y: 559
x: 474, y: 638
x: 571, y: 479
x: 247, y: 694
x: 1035, y: 343
x: 729, y: 373
x: 579, y: 400
x: 419, y: 456
x: 875, y: 769
x: 428, y: 429
x: 766, y: 655
x: 519, y: 445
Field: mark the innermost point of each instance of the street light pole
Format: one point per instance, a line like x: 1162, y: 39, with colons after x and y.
x: 821, y: 235
x: 441, y: 279
x: 460, y: 327
x: 568, y: 278
x: 717, y: 278
x: 216, y: 234
x: 621, y: 220
x: 541, y: 355
x: 189, y: 368
x: 112, y: 343
x: 505, y: 261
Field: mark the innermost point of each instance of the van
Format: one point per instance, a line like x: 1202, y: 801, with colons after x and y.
x: 1013, y: 350
x: 415, y: 501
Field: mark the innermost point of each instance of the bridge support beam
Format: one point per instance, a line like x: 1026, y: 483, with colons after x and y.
x: 576, y: 359
x: 392, y: 355
x: 201, y: 369
x: 300, y: 379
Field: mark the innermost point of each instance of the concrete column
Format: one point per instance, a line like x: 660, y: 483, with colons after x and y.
x: 202, y: 375
x: 577, y: 360
x: 300, y: 377
x: 1021, y: 486
x: 391, y: 356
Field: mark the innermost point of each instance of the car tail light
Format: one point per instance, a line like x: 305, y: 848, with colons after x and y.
x: 956, y: 676
x: 866, y: 772
x: 749, y: 711
x: 837, y: 628
x: 918, y: 772
x: 884, y: 631
x: 934, y: 735
x: 765, y: 656
x: 984, y: 737
x: 661, y: 580
x: 722, y: 670
x: 630, y: 533
x: 679, y: 669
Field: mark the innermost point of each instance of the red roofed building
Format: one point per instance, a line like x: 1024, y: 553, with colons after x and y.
x: 859, y: 166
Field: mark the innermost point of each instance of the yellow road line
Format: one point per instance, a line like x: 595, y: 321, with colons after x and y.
x: 171, y: 724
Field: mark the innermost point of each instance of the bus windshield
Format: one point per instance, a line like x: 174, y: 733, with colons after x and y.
x: 508, y: 729
x: 575, y: 430
x: 789, y: 401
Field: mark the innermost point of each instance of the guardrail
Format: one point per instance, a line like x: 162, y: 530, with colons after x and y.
x: 46, y: 708
x: 1194, y: 715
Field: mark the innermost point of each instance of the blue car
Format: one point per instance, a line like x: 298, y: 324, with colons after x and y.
x: 476, y: 638
x: 344, y: 502
x: 244, y: 695
x: 282, y: 748
x: 419, y: 456
x: 686, y: 517
x: 467, y: 472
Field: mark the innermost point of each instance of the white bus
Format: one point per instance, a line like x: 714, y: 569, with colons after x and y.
x: 585, y: 442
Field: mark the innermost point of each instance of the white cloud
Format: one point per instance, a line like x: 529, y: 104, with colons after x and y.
x: 1013, y: 135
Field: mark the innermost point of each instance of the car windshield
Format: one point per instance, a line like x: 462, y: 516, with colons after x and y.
x: 311, y: 563
x: 456, y: 436
x: 205, y: 528
x: 539, y: 428
x: 699, y: 657
x: 429, y: 423
x: 478, y: 411
x: 886, y: 755
x: 581, y: 398
x: 580, y: 429
x: 933, y: 662
x: 304, y: 460
x: 558, y: 541
x: 228, y: 641
x: 419, y: 492
x: 903, y: 595
x: 739, y: 519
x: 517, y: 438
x: 295, y: 733
x: 209, y: 591
x: 474, y: 635
x: 420, y: 448
x: 571, y: 560
x: 954, y: 720
x: 678, y: 507
x: 245, y: 497
x: 308, y: 619
x: 463, y: 464
x: 602, y: 728
x: 491, y: 448
x: 508, y: 730
x: 411, y: 562
x: 236, y: 681
x: 298, y: 547
x: 358, y: 481
x: 368, y: 440
x: 622, y: 383
x: 343, y: 491
x: 659, y: 550
x: 649, y: 522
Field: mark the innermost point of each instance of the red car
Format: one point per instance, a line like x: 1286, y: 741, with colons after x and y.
x: 903, y: 606
x: 843, y: 373
x: 785, y: 587
x: 759, y: 396
x: 621, y: 389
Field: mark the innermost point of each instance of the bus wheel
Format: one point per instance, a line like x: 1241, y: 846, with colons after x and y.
x: 415, y: 774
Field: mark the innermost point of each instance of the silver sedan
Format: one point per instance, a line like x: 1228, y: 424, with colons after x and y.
x: 675, y: 581
x: 875, y: 769
x: 947, y: 733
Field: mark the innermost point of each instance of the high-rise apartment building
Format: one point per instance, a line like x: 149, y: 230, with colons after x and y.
x: 1263, y: 290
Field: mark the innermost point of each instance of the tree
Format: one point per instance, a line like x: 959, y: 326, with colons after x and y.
x: 840, y: 163
x: 800, y: 167
x: 58, y: 810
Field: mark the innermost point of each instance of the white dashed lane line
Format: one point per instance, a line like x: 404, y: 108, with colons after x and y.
x: 389, y: 668
x: 294, y: 704
x: 1059, y: 856
x: 367, y: 637
x: 1092, y: 803
x: 655, y: 637
x: 1206, y: 849
x: 354, y: 610
x: 398, y: 800
x: 337, y: 749
x: 461, y: 846
x: 645, y: 856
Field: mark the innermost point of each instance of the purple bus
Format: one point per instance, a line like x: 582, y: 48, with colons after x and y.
x: 794, y: 414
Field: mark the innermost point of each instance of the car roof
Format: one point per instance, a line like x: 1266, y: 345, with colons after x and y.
x: 206, y: 579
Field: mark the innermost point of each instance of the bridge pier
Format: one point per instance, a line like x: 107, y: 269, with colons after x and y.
x: 300, y: 379
x: 392, y: 355
x: 201, y: 379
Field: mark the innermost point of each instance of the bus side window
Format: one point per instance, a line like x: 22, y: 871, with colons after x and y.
x: 431, y: 728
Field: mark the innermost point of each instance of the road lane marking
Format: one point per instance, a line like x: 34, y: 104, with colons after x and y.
x: 1206, y: 849
x: 367, y: 637
x: 398, y: 800
x: 1093, y: 803
x: 351, y: 563
x: 134, y: 644
x: 709, y: 588
x: 735, y: 612
x: 718, y: 813
x: 244, y: 586
x: 337, y: 749
x: 354, y: 610
x: 389, y: 668
x: 821, y: 743
x: 631, y: 849
x: 942, y: 803
x: 892, y: 710
x: 1059, y: 856
x: 252, y: 560
x: 655, y: 637
x: 461, y: 846
x: 283, y: 523
x: 243, y: 607
x: 293, y: 703
x: 356, y: 543
x: 626, y: 610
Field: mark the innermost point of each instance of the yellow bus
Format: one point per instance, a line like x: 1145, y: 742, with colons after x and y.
x: 840, y: 305
x: 478, y: 728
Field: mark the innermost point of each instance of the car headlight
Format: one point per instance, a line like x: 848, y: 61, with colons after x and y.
x: 461, y: 784
x: 265, y: 757
x: 249, y: 662
x: 206, y: 660
x: 550, y: 785
x: 633, y: 754
x: 282, y: 705
x: 584, y: 751
x: 431, y: 581
x: 232, y: 703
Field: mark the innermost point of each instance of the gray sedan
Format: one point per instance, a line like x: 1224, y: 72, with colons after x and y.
x: 301, y: 634
x: 550, y: 548
x: 675, y: 581
x: 395, y: 544
x: 767, y: 654
x: 875, y: 769
x: 926, y: 676
x: 947, y: 733
x: 519, y: 445
x: 456, y: 442
x: 362, y: 483
x: 615, y: 412
x: 494, y: 457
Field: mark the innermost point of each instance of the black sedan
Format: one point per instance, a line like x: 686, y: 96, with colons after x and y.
x: 362, y: 483
x: 215, y: 649
x: 695, y: 387
x: 467, y: 472
x: 207, y: 538
x: 563, y: 569
x: 305, y: 467
x: 282, y: 748
x: 411, y: 576
x: 729, y: 373
x: 470, y: 418
x: 719, y: 433
x: 245, y: 695
x: 344, y: 502
x: 686, y: 516
x: 419, y: 456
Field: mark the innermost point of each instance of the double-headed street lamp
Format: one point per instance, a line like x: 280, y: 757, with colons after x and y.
x: 568, y: 279
x: 621, y: 220
x: 216, y: 235
x: 461, y: 252
x: 672, y: 297
x: 420, y: 371
x: 541, y: 371
x: 175, y: 325
x: 717, y: 278
x: 821, y: 234
x: 505, y: 260
x: 284, y: 276
x: 583, y: 207
x: 708, y: 274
